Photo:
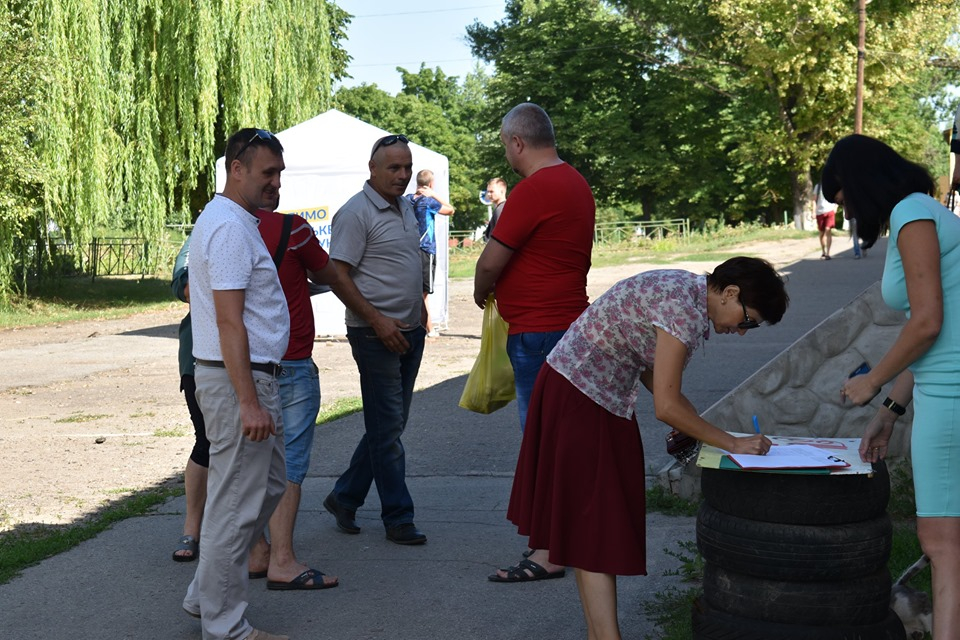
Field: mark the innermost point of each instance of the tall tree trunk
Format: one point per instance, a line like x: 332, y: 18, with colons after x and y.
x: 802, y: 198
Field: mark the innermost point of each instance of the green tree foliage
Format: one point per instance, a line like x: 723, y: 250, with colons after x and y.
x: 435, y: 111
x: 715, y: 108
x: 140, y: 96
x: 23, y: 64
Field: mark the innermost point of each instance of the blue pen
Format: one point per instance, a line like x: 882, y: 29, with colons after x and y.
x: 756, y: 425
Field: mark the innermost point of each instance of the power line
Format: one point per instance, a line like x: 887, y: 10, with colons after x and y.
x: 432, y: 11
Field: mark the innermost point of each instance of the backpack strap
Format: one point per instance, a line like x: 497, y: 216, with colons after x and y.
x: 284, y: 239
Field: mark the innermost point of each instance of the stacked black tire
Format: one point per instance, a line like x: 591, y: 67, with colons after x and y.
x: 795, y: 557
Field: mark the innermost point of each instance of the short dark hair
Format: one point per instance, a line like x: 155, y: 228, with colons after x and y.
x: 761, y: 287
x: 530, y: 123
x: 874, y: 178
x: 246, y: 139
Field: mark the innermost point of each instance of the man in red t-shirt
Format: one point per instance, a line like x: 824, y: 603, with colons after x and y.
x: 537, y: 259
x: 299, y: 394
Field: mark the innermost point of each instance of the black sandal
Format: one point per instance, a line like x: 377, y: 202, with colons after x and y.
x: 527, y: 571
x: 187, y: 543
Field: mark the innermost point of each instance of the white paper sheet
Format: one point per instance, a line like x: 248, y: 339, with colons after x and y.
x: 796, y: 456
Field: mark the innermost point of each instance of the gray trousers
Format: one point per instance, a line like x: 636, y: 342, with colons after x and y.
x: 245, y: 483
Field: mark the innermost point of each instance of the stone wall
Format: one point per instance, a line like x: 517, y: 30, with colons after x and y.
x: 798, y: 392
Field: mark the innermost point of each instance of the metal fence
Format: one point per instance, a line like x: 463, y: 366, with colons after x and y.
x: 604, y: 233
x: 101, y: 257
x: 619, y: 232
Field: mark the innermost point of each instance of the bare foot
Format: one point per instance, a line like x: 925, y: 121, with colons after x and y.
x: 260, y: 557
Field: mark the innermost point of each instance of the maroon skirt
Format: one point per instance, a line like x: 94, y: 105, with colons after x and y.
x: 579, y: 488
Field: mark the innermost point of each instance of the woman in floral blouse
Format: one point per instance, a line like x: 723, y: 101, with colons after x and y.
x: 579, y: 487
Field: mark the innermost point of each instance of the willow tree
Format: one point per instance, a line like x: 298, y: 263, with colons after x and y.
x: 142, y: 93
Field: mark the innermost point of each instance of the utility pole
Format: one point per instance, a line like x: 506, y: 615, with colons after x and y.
x: 861, y: 57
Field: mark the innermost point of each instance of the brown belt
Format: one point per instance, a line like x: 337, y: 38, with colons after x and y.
x: 266, y: 367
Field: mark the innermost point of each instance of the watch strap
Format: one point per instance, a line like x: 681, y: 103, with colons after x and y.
x: 897, y: 408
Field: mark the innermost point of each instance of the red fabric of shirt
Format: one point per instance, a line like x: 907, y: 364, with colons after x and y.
x: 303, y: 254
x: 548, y: 221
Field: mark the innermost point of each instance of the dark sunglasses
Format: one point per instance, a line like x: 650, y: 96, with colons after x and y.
x: 258, y: 134
x: 748, y: 322
x: 386, y: 141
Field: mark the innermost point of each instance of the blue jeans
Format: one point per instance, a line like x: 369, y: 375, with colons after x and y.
x: 386, y: 386
x: 528, y: 352
x: 300, y: 400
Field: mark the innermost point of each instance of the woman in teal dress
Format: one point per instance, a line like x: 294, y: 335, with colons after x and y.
x: 885, y: 192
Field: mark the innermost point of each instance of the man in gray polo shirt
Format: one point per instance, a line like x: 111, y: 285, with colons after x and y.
x: 375, y: 243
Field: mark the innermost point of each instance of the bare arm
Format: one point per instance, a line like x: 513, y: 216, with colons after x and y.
x: 490, y: 265
x: 446, y: 208
x: 329, y: 275
x: 920, y: 252
x: 256, y: 422
x: 876, y: 437
x: 387, y: 329
x: 673, y: 408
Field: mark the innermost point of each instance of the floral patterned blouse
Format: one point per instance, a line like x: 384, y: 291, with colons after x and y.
x: 614, y: 340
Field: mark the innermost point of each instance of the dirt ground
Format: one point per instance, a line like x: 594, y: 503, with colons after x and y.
x: 91, y: 410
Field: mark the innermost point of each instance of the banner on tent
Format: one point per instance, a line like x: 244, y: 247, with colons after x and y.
x: 318, y: 218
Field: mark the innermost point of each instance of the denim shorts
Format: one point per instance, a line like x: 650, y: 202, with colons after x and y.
x: 300, y: 399
x: 528, y: 352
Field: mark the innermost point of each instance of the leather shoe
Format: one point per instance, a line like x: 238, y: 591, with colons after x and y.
x: 406, y: 533
x: 346, y: 519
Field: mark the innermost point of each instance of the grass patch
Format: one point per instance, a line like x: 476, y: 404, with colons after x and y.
x: 69, y: 299
x: 173, y: 432
x: 704, y: 246
x: 82, y: 417
x: 23, y: 548
x: 339, y: 409
x: 662, y: 501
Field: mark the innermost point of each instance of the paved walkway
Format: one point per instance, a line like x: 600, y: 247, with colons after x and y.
x: 123, y: 584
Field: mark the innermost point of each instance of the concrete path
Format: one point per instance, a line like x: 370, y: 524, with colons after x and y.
x: 123, y: 584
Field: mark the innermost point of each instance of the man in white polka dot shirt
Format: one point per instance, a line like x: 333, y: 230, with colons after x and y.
x: 241, y: 327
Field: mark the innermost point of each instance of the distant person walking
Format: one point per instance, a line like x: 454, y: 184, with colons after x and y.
x: 826, y: 212
x: 497, y: 195
x: 427, y: 206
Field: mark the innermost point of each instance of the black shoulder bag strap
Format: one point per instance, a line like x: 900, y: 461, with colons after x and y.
x: 284, y: 239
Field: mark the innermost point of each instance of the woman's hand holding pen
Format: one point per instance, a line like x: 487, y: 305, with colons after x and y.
x: 757, y: 445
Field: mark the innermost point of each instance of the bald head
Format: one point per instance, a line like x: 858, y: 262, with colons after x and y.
x: 530, y: 123
x: 391, y: 166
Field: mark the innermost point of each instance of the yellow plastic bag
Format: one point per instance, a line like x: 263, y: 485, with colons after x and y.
x: 490, y: 383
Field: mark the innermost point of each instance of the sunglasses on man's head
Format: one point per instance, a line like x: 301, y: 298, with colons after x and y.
x: 258, y: 134
x: 386, y: 141
x: 748, y: 322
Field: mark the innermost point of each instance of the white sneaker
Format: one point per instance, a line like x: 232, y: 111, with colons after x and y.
x: 433, y: 334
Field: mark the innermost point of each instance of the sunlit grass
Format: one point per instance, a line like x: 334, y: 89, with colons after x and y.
x: 713, y: 246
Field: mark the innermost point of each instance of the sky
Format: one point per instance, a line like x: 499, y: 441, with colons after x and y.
x: 385, y: 34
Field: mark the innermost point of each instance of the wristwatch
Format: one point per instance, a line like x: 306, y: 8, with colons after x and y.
x: 897, y: 408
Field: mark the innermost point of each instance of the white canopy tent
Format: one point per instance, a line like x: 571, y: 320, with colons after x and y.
x: 326, y: 164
